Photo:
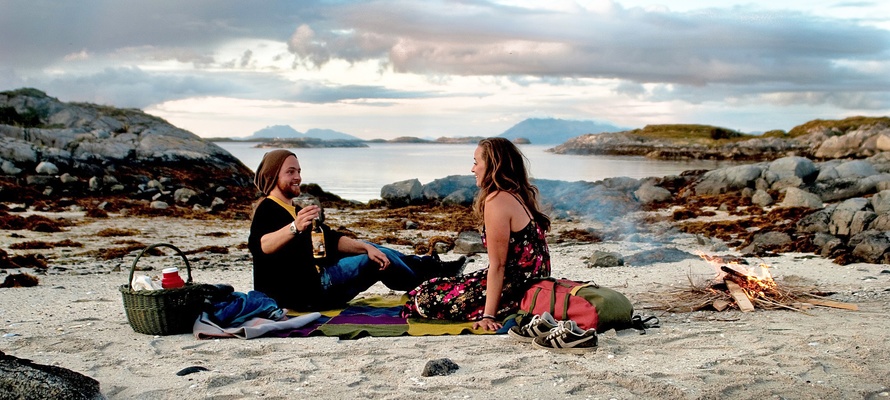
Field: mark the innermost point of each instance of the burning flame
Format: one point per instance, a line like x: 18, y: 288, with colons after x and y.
x: 758, y: 284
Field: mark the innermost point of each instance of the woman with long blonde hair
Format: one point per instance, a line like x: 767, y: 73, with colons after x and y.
x: 514, y: 229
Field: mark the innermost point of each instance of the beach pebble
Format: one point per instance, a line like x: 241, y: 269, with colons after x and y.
x: 439, y: 367
x: 191, y: 370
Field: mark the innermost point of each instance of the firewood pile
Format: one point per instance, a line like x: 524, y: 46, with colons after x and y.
x: 737, y: 287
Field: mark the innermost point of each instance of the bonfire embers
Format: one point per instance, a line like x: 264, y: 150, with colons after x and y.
x: 736, y: 286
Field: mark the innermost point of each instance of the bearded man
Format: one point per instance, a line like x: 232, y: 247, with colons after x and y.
x: 284, y: 267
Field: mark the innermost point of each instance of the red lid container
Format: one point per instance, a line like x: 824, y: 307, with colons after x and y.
x: 171, y: 279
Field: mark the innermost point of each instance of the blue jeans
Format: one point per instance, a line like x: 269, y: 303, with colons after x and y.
x: 352, y: 275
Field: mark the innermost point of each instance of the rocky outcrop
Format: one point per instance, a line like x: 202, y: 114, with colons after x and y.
x: 50, y: 150
x: 843, y: 205
x: 23, y: 379
x: 859, y: 138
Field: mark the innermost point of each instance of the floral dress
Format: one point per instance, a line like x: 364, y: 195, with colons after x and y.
x: 462, y: 298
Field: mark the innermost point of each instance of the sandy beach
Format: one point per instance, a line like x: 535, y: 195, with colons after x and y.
x: 75, y: 319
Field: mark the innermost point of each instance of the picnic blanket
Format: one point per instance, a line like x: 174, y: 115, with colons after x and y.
x: 378, y: 316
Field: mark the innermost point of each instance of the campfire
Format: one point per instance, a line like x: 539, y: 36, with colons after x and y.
x: 738, y: 286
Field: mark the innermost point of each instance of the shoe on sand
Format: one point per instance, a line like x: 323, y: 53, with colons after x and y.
x: 540, y: 325
x: 568, y: 338
x: 452, y: 268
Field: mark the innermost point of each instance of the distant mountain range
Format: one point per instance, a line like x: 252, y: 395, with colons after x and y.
x: 286, y: 132
x: 536, y: 130
x: 556, y: 131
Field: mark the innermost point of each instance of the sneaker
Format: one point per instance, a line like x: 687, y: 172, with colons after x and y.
x: 540, y: 325
x: 568, y: 338
x: 452, y: 268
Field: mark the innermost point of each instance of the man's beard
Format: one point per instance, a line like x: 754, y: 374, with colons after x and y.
x: 288, y: 190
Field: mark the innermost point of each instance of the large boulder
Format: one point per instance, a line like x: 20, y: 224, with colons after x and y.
x: 795, y: 197
x: 24, y: 379
x: 800, y: 167
x: 457, y: 189
x: 728, y: 179
x: 402, y: 193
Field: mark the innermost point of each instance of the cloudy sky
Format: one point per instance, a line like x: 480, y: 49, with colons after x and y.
x: 382, y: 69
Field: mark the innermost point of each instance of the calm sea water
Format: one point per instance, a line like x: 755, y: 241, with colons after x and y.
x: 359, y: 173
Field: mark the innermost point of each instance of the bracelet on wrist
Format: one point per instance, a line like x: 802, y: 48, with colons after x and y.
x: 487, y: 316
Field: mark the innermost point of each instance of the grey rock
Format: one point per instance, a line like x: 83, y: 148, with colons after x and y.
x: 827, y: 244
x: 870, y: 246
x: 9, y: 168
x: 46, y: 168
x: 771, y: 240
x: 861, y: 221
x: 154, y: 184
x: 827, y: 173
x: 795, y: 197
x: 855, y: 169
x: 460, y: 197
x: 469, y: 242
x: 649, y: 193
x: 762, y: 198
x: 798, y: 167
x: 854, y: 204
x: 16, y: 150
x: 440, y: 189
x: 839, y: 189
x: 869, y: 184
x: 822, y: 239
x: 839, y: 224
x: 23, y: 379
x: 787, y: 182
x: 727, y: 179
x: 816, y: 222
x: 39, y: 180
x: 68, y: 178
x: 605, y: 259
x: 880, y: 202
x: 660, y: 255
x: 183, y: 195
x: 439, y: 367
x: 402, y: 193
x: 881, y: 223
x: 846, y: 145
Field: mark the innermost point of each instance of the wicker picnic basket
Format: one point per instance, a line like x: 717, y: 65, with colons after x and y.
x: 165, y: 311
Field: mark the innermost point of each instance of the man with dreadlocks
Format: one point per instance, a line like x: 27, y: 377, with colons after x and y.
x: 284, y: 267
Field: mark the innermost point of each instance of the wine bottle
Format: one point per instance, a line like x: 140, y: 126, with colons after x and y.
x: 318, y: 249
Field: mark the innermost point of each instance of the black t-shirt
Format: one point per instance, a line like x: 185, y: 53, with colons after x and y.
x: 289, y: 275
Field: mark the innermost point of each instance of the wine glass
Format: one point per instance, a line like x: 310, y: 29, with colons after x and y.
x: 305, y: 200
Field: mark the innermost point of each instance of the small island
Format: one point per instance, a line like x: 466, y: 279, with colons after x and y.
x: 308, y: 143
